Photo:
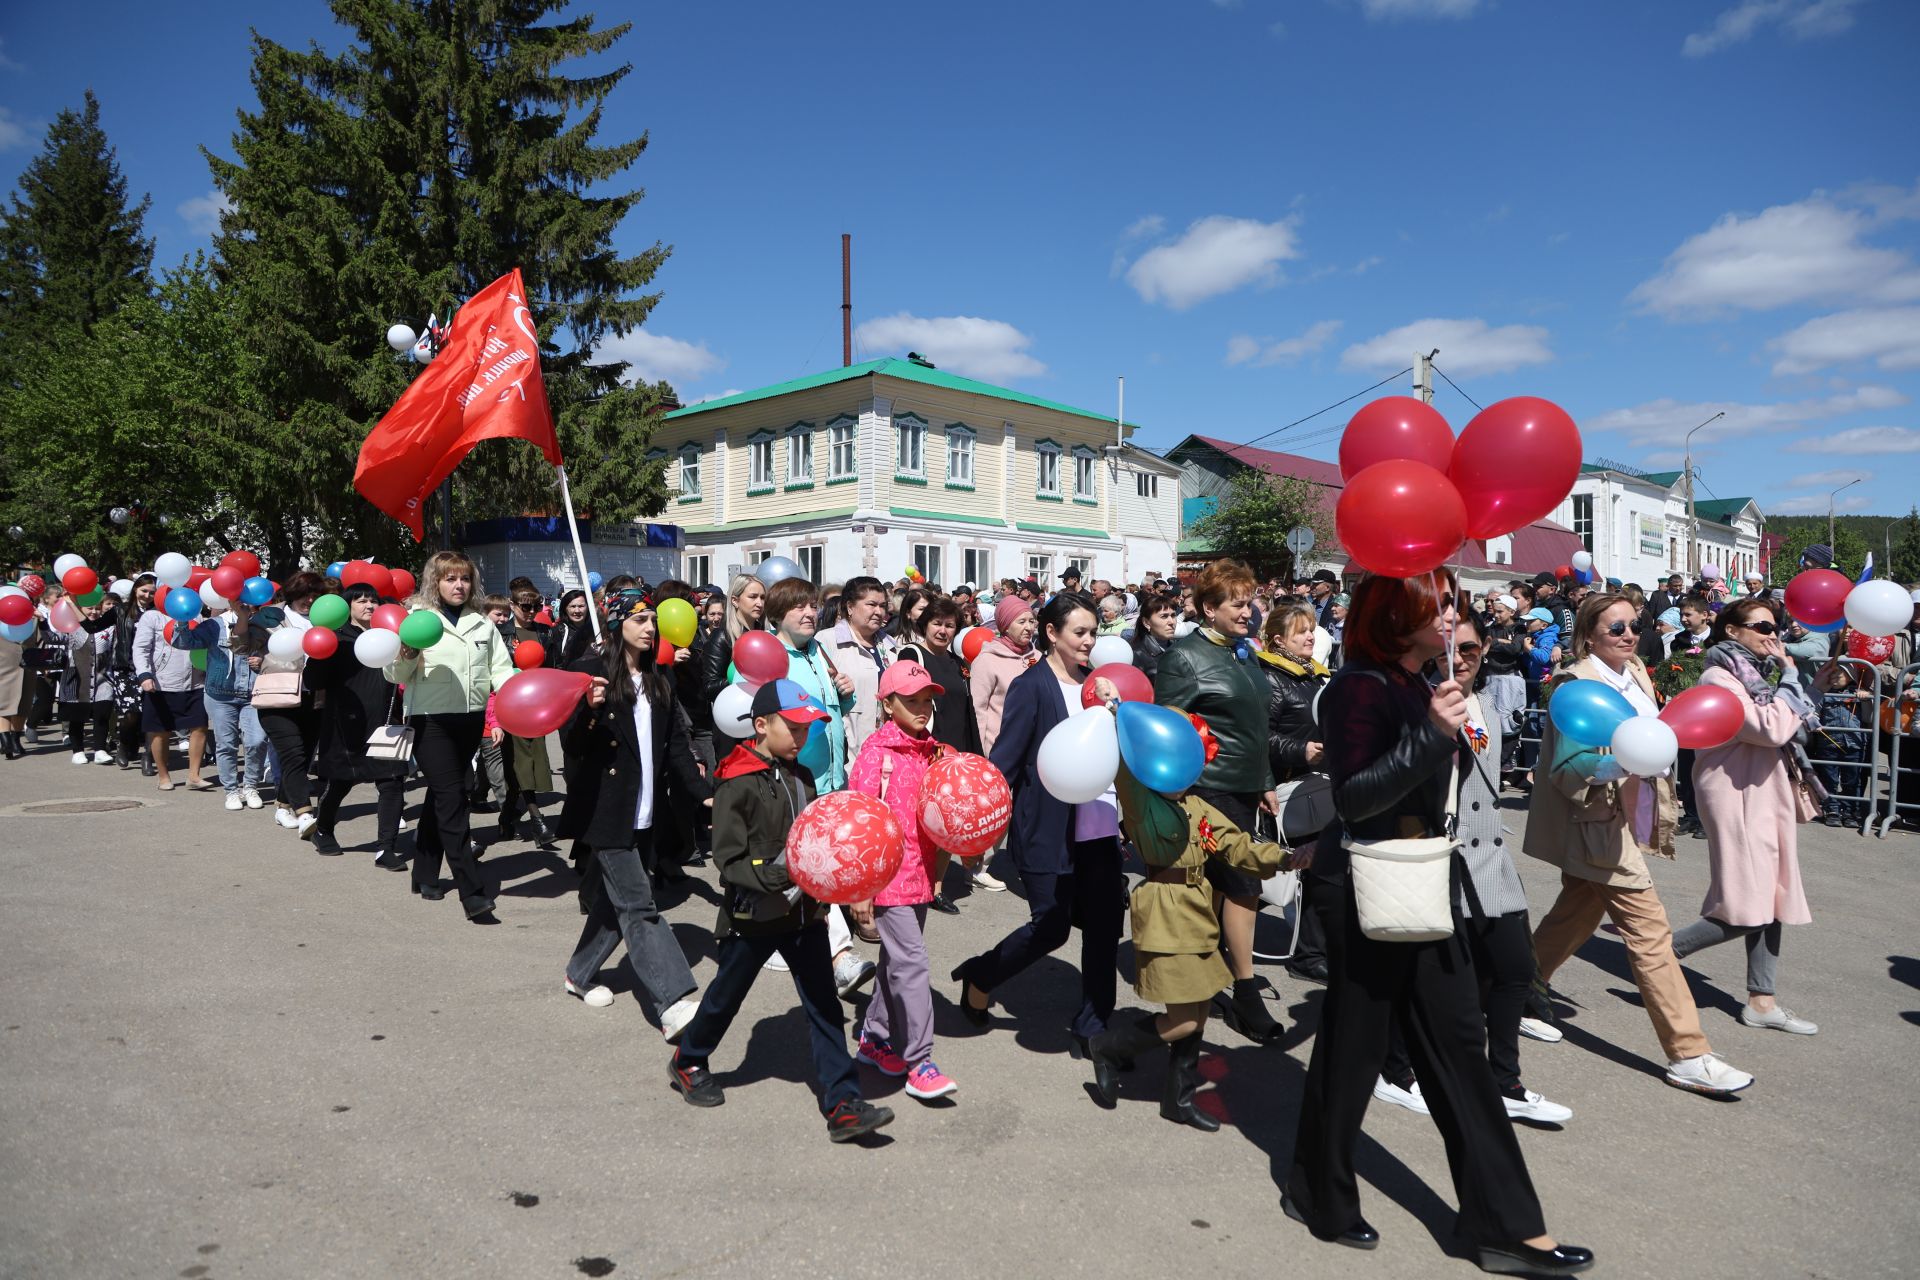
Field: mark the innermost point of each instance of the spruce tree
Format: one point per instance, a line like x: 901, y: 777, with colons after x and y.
x: 399, y: 176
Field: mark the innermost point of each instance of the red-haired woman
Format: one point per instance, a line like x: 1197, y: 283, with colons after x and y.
x: 1392, y: 743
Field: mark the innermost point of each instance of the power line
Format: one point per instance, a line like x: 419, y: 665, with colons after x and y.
x: 1317, y: 412
x: 1456, y: 386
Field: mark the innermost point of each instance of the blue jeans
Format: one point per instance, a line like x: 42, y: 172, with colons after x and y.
x: 236, y: 729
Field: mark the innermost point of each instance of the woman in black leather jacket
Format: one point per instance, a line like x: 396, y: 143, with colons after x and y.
x: 1293, y: 679
x: 1391, y: 742
x: 572, y: 631
x: 746, y: 602
x: 1153, y: 632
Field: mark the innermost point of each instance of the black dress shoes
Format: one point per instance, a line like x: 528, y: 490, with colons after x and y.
x: 430, y: 892
x: 1360, y: 1235
x: 1314, y: 970
x: 944, y: 905
x: 1525, y: 1260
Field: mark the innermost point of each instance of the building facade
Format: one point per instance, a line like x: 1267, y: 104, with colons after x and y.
x: 1635, y: 523
x: 894, y: 463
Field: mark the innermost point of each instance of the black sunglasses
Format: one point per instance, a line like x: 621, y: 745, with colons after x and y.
x: 1764, y: 628
x: 1619, y: 629
x: 1469, y: 650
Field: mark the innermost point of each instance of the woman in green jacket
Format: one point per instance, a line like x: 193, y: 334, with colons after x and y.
x: 448, y: 684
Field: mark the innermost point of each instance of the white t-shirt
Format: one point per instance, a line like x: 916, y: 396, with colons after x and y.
x: 643, y: 732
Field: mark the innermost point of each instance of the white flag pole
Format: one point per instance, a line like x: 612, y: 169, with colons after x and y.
x: 579, y: 553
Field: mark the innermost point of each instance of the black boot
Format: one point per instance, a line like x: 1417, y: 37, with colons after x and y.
x: 1183, y: 1078
x: 1113, y: 1050
x: 9, y: 746
x: 1246, y: 1012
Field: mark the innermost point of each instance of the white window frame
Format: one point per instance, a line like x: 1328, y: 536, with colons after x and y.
x: 1040, y: 568
x: 761, y: 474
x: 960, y: 455
x: 1084, y: 565
x: 812, y: 558
x: 800, y: 456
x: 689, y: 472
x: 1583, y: 528
x: 1146, y: 484
x: 1046, y: 467
x: 843, y: 446
x: 1085, y: 470
x: 927, y: 557
x: 977, y: 566
x: 758, y: 555
x: 697, y: 569
x: 910, y: 447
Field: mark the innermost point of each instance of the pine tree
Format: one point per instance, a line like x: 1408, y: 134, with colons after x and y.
x: 1906, y: 548
x: 441, y: 149
x: 71, y: 248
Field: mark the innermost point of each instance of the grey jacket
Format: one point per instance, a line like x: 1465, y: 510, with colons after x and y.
x: 1483, y: 842
x: 154, y: 659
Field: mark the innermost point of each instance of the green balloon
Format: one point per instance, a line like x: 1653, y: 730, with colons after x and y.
x: 94, y: 597
x: 199, y: 657
x: 421, y: 630
x: 329, y: 612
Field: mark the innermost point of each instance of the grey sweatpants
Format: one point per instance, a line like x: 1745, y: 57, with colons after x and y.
x: 1763, y: 947
x: 901, y: 1011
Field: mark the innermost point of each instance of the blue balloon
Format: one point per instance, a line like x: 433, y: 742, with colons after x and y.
x: 1583, y: 576
x: 19, y: 632
x: 593, y: 582
x: 1835, y: 625
x: 337, y: 568
x: 183, y: 605
x: 256, y: 591
x: 1588, y: 712
x: 1160, y: 746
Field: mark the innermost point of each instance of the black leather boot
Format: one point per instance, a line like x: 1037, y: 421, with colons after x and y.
x: 1245, y: 1010
x: 1183, y: 1079
x: 1113, y: 1050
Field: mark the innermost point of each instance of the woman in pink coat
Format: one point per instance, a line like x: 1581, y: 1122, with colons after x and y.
x: 1005, y: 658
x: 1746, y: 796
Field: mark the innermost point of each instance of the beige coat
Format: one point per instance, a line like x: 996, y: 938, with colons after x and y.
x: 1584, y: 828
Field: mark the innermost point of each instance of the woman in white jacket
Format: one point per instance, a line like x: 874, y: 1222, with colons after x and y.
x: 448, y: 685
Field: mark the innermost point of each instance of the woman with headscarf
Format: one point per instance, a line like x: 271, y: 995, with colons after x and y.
x: 1002, y: 660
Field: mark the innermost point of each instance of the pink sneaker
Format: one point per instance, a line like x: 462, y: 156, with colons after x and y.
x: 879, y: 1055
x: 927, y: 1082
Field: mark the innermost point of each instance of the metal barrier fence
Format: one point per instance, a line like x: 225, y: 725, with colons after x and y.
x: 1903, y: 754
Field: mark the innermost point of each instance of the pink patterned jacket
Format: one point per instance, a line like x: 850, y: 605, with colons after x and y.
x: 897, y: 761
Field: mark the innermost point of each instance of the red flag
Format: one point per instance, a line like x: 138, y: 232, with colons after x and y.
x: 484, y: 384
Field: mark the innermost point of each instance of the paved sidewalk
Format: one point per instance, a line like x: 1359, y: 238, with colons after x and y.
x: 222, y: 1055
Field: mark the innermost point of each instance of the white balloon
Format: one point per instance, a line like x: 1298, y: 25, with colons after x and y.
x: 401, y: 336
x: 1645, y: 746
x: 774, y: 568
x: 173, y: 569
x: 1080, y: 757
x: 122, y: 587
x: 1581, y: 560
x: 285, y: 643
x: 375, y: 647
x: 732, y: 711
x: 1109, y: 649
x: 1879, y: 608
x: 211, y: 598
x: 66, y: 562
x: 10, y: 590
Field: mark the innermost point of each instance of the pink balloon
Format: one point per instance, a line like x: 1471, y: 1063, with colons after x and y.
x: 1516, y: 461
x: 845, y: 846
x: 63, y: 617
x: 759, y: 657
x: 534, y: 703
x: 1704, y: 716
x: 1395, y: 427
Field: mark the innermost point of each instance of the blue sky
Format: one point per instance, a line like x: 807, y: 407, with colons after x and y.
x: 1647, y: 210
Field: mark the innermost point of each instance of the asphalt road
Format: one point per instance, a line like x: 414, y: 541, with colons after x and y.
x: 223, y: 1055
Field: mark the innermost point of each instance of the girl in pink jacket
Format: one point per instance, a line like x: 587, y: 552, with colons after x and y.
x: 892, y: 765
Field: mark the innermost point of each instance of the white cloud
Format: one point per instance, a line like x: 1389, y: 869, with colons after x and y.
x: 7, y: 63
x: 1667, y: 421
x: 1801, y: 19
x: 1825, y: 479
x: 1244, y: 349
x: 1144, y: 228
x: 654, y: 357
x: 718, y: 395
x: 13, y: 134
x: 1468, y: 348
x: 1810, y: 251
x: 1377, y: 10
x: 1215, y: 255
x: 989, y: 349
x: 1888, y: 336
x: 202, y: 213
x: 1858, y: 441
x: 1815, y: 504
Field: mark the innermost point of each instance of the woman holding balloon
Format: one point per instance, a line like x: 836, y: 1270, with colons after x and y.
x: 127, y: 697
x: 171, y: 687
x: 359, y: 699
x: 1597, y: 822
x: 451, y: 659
x: 746, y: 607
x: 239, y: 740
x: 275, y: 640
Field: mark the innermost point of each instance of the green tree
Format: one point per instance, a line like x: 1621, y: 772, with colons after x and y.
x: 1906, y: 548
x: 1254, y: 515
x: 1797, y: 533
x: 442, y: 148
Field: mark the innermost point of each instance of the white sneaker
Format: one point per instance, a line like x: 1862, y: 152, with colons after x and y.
x: 1707, y: 1074
x: 1387, y: 1091
x: 1531, y: 1106
x: 850, y: 973
x: 676, y: 1016
x: 284, y: 816
x: 251, y: 797
x: 1545, y: 1032
x: 79, y: 757
x: 403, y: 825
x: 597, y: 997
x: 233, y: 802
x: 305, y: 824
x: 103, y: 757
x: 985, y: 879
x: 776, y: 963
x: 1777, y: 1019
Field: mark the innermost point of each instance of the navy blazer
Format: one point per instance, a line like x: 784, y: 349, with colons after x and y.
x: 1038, y: 835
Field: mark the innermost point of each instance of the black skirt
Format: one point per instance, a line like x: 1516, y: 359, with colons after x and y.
x: 172, y: 711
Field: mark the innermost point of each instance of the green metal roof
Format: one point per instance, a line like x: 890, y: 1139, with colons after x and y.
x: 1665, y: 479
x: 905, y: 370
x: 1721, y: 510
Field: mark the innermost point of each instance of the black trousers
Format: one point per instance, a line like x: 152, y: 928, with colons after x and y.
x: 82, y: 715
x: 1431, y: 984
x: 442, y: 745
x: 292, y: 731
x: 392, y: 793
x: 1092, y: 896
x: 1502, y: 951
x: 1683, y: 784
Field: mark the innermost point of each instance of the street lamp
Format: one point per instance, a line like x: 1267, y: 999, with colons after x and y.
x: 1830, y: 497
x: 1693, y: 521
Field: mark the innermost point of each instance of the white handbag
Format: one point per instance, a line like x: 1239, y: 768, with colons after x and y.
x: 1403, y: 888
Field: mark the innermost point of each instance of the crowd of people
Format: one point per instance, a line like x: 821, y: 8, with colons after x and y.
x: 1334, y: 722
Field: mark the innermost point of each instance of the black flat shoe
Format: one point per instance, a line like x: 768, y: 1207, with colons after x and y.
x: 1360, y: 1235
x: 1310, y: 971
x: 1525, y: 1260
x: 944, y: 905
x: 390, y: 861
x: 324, y: 843
x: 430, y: 892
x: 978, y: 1017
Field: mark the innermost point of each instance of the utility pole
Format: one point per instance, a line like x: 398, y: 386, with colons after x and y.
x: 846, y: 301
x: 1693, y: 519
x: 1423, y: 375
x: 1830, y: 497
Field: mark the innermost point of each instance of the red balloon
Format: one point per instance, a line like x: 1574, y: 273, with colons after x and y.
x: 1563, y: 571
x: 245, y: 561
x: 1874, y: 649
x: 15, y: 610
x: 388, y: 617
x: 975, y: 639
x: 1128, y: 680
x: 199, y: 575
x: 529, y: 654
x: 78, y: 580
x: 227, y: 580
x: 166, y: 632
x: 356, y: 572
x: 1818, y: 596
x: 759, y: 657
x: 532, y: 704
x: 845, y: 846
x: 1516, y: 461
x: 318, y: 642
x: 33, y: 584
x: 663, y: 654
x: 1704, y: 716
x: 965, y: 804
x: 1395, y: 427
x: 1400, y: 519
x: 404, y: 583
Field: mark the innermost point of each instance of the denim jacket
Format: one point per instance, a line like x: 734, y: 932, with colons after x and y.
x: 229, y: 677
